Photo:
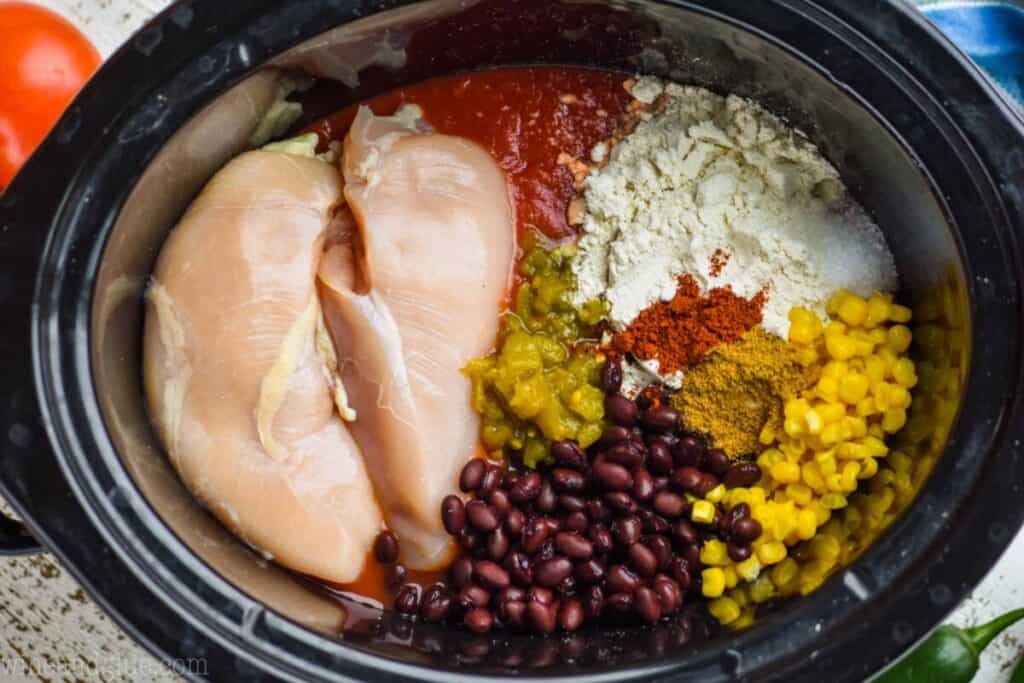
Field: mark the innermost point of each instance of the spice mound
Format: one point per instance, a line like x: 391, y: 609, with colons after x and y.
x: 677, y: 333
x: 738, y: 390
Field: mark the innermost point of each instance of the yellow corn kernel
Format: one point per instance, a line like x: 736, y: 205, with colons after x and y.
x: 702, y: 512
x: 903, y: 372
x: 898, y: 338
x: 875, y: 430
x: 724, y: 609
x: 865, y: 407
x: 712, y: 582
x: 785, y: 572
x: 831, y: 412
x: 713, y: 553
x: 833, y: 501
x: 806, y: 523
x: 876, y: 447
x: 849, y: 477
x: 716, y: 494
x: 796, y: 408
x: 767, y: 436
x: 825, y: 547
x: 900, y: 314
x: 731, y: 577
x: 785, y: 472
x: 769, y: 457
x: 874, y: 368
x: 868, y: 468
x: 755, y: 496
x: 836, y: 369
x: 814, y: 421
x: 893, y: 420
x: 900, y: 461
x: 830, y: 434
x: 800, y: 494
x: 853, y: 310
x: 853, y: 388
x: 832, y: 307
x: 840, y: 347
x: 793, y: 427
x: 878, y: 311
x: 835, y: 482
x: 811, y: 475
x: 749, y: 569
x: 806, y: 356
x: 772, y: 552
x: 762, y: 589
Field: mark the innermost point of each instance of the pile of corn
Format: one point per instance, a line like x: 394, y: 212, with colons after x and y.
x: 810, y: 501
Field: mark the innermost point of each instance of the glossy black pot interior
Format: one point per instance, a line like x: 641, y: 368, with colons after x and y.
x: 923, y: 143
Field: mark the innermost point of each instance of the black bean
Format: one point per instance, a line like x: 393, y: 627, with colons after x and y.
x: 642, y: 559
x: 627, y: 530
x: 602, y: 539
x: 566, y: 587
x: 473, y: 595
x: 472, y: 475
x: 512, y: 593
x: 684, y: 532
x: 620, y: 603
x: 546, y: 500
x: 692, y: 555
x: 612, y: 435
x: 662, y: 549
x: 626, y: 454
x: 621, y: 502
x: 550, y: 573
x: 680, y: 570
x: 612, y: 477
x: 621, y: 579
x: 542, y: 595
x: 689, y: 452
x: 746, y: 530
x: 453, y: 514
x: 565, y: 480
x: 461, y: 572
x: 535, y: 533
x: 648, y: 606
x: 437, y: 603
x: 611, y: 376
x: 687, y: 479
x: 541, y: 617
x: 490, y: 575
x: 395, y: 576
x: 589, y: 571
x: 509, y: 479
x: 512, y: 612
x: 407, y: 600
x: 574, y: 546
x: 670, y: 504
x: 570, y: 615
x: 567, y: 453
x: 669, y: 595
x: 571, y: 503
x: 661, y: 483
x: 499, y: 503
x: 621, y: 410
x: 576, y: 521
x: 593, y: 602
x: 652, y: 522
x: 661, y: 419
x: 708, y: 481
x: 545, y: 552
x: 643, y: 485
x: 517, y: 564
x: 659, y: 458
x: 514, y: 522
x: 742, y: 474
x: 737, y: 552
x: 478, y: 620
x: 717, y: 462
x: 490, y: 481
x: 481, y: 516
x: 498, y: 543
x: 527, y: 488
x: 385, y: 548
x: 597, y: 511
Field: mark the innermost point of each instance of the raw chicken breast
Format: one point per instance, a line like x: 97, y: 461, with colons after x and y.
x: 410, y: 294
x: 238, y: 373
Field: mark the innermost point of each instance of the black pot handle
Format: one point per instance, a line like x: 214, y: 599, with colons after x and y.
x: 16, y: 540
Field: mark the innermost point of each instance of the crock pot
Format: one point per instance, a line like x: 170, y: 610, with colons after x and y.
x: 923, y: 140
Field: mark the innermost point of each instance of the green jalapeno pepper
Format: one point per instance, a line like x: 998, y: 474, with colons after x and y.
x: 950, y: 654
x: 1018, y: 672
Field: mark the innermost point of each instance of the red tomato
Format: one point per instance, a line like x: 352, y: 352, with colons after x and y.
x: 44, y: 60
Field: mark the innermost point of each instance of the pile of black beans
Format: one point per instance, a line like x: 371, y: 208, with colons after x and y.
x: 602, y: 534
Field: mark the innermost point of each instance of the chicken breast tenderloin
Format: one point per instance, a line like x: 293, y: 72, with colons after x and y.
x: 236, y: 372
x: 411, y: 293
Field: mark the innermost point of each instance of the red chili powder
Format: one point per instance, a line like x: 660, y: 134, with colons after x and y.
x: 718, y: 261
x: 677, y: 333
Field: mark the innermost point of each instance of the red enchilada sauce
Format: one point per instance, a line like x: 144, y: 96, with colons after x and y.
x: 527, y: 118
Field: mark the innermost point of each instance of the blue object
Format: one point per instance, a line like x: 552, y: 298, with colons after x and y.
x: 992, y: 34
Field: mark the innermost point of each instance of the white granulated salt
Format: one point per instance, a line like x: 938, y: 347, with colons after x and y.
x: 715, y: 173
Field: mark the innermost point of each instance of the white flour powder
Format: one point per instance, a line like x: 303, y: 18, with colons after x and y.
x: 711, y: 173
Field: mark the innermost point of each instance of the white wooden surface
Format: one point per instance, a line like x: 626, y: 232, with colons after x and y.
x: 51, y: 631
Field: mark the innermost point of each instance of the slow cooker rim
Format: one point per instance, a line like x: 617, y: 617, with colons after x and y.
x: 52, y: 420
